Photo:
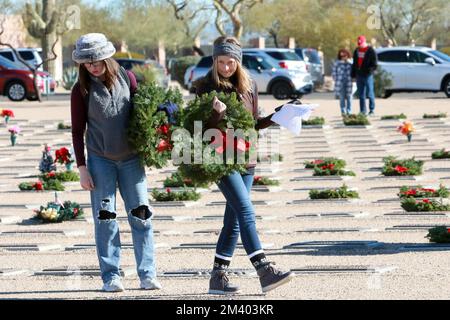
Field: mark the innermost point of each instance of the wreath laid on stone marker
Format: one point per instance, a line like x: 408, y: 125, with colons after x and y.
x: 176, y: 180
x: 338, y: 193
x: 394, y: 167
x: 441, y: 154
x: 425, y: 205
x: 316, y: 121
x: 435, y: 116
x: 329, y: 167
x: 274, y: 157
x: 394, y: 117
x: 265, y: 181
x: 356, y: 120
x: 439, y: 234
x: 169, y: 195
x: 215, y: 164
x: 57, y: 212
x: 420, y: 192
x: 150, y: 129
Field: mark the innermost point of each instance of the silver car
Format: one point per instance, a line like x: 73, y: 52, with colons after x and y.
x: 281, y: 83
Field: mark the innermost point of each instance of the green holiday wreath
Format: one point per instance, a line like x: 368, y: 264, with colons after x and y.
x: 54, y: 212
x: 150, y: 131
x: 216, y: 157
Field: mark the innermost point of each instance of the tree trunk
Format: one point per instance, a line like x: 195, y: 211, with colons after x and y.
x: 49, y: 38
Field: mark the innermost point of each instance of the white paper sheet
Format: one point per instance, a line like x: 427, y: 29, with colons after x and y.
x: 291, y: 116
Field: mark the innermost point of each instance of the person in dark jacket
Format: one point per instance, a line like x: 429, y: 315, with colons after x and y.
x: 364, y: 64
x: 100, y: 111
x: 227, y: 75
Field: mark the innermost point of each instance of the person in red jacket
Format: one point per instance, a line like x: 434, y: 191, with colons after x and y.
x: 364, y: 64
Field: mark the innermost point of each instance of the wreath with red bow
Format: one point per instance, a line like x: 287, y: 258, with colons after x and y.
x: 219, y: 145
x: 150, y: 132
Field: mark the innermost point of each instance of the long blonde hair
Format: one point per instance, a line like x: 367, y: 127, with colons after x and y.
x: 240, y: 80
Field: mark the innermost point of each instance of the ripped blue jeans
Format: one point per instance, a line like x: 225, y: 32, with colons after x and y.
x: 130, y: 177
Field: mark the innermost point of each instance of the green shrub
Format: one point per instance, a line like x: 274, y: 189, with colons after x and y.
x: 70, y: 77
x: 180, y: 65
x: 128, y: 55
x: 147, y: 74
x: 382, y: 81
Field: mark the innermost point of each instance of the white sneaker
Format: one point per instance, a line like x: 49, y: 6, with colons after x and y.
x: 114, y: 285
x: 150, y: 284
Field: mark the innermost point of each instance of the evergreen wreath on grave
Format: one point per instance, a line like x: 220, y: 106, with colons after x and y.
x: 176, y: 180
x: 356, y: 120
x: 274, y: 157
x: 265, y: 181
x: 440, y: 234
x: 236, y: 117
x: 316, y: 121
x: 150, y: 130
x: 329, y: 167
x: 411, y: 204
x: 435, y: 116
x: 339, y: 193
x: 406, y: 167
x: 57, y: 212
x: 338, y: 163
x: 441, y: 154
x: 169, y: 195
x: 63, y: 176
x: 394, y: 117
x: 420, y: 192
x: 48, y: 183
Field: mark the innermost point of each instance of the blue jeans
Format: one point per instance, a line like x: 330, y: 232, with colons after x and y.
x: 239, y: 217
x: 344, y: 97
x: 365, y: 87
x: 130, y: 176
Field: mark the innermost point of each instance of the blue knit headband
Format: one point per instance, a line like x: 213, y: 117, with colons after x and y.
x: 228, y: 49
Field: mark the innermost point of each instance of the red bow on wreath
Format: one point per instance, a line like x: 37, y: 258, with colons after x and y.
x: 239, y: 144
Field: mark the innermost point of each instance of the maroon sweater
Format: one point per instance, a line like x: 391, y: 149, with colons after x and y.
x: 79, y: 116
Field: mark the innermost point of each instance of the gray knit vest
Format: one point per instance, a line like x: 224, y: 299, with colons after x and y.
x: 108, y: 117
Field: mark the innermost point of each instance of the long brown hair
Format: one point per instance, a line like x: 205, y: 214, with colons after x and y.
x: 240, y: 80
x: 111, y: 72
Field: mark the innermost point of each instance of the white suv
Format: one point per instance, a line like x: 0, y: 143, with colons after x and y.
x: 415, y: 69
x: 30, y: 55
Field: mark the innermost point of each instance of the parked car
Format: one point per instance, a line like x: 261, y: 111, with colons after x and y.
x: 30, y: 55
x: 313, y: 64
x: 415, y: 69
x: 286, y: 58
x: 269, y: 77
x: 16, y: 81
x: 163, y: 76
